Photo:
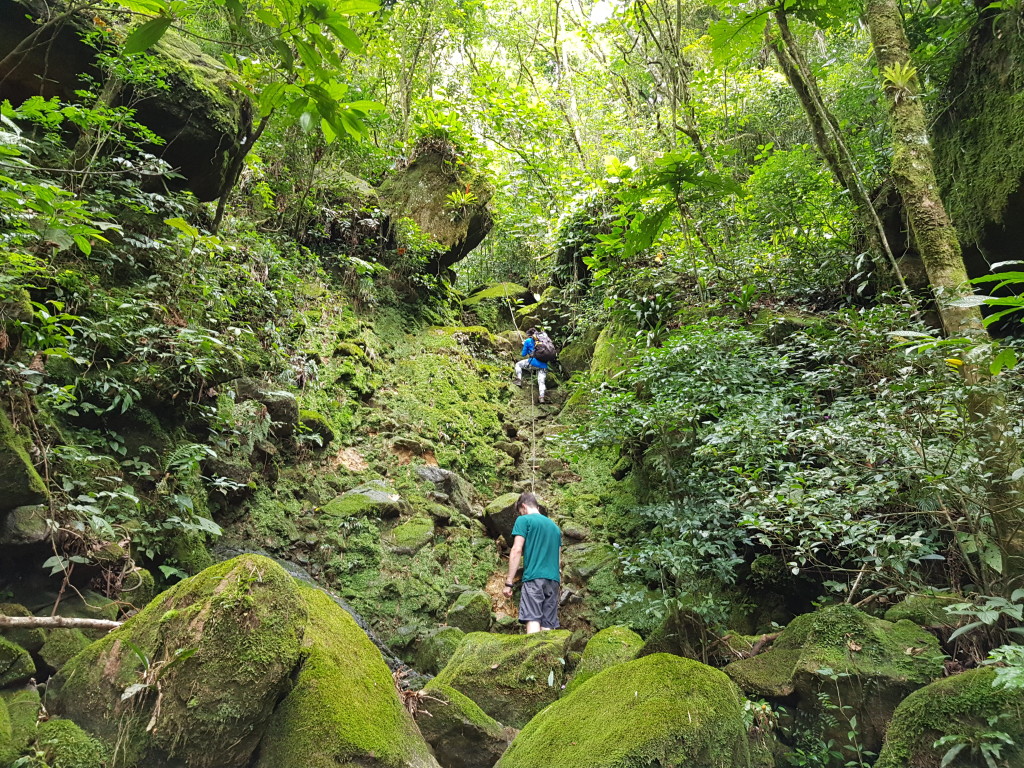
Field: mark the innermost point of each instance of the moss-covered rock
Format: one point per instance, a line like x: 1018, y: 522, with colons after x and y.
x: 8, y: 752
x: 374, y: 500
x: 20, y: 484
x: 343, y: 710
x: 614, y: 645
x: 411, y: 536
x: 471, y: 612
x: 511, y: 677
x: 65, y: 745
x: 965, y: 706
x: 16, y: 666
x: 659, y: 710
x: 315, y: 423
x: 216, y: 650
x: 841, y: 654
x: 462, y: 734
x: 500, y: 516
x: 436, y: 649
x: 25, y: 525
x: 29, y: 639
x: 575, y: 356
x: 449, y: 487
x: 423, y: 192
x: 23, y: 705
x: 61, y: 645
x: 924, y: 610
x: 684, y: 633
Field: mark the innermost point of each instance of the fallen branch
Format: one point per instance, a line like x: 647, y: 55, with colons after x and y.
x: 55, y: 622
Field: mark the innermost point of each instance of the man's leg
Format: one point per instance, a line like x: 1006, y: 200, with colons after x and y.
x: 520, y: 367
x: 542, y: 376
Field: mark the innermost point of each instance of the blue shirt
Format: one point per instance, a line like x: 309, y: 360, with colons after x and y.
x: 528, y: 347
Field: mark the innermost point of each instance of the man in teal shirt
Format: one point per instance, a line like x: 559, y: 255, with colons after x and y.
x: 537, y: 541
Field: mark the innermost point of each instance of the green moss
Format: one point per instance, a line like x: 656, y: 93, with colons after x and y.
x: 768, y: 674
x: 238, y: 624
x: 61, y: 645
x: 924, y: 610
x: 614, y: 645
x: 658, y: 710
x: 65, y: 745
x: 29, y: 639
x: 8, y: 752
x: 315, y: 423
x: 471, y: 612
x: 412, y: 535
x: 23, y: 710
x: 966, y: 705
x: 343, y: 709
x: 458, y: 730
x: 20, y: 484
x: 188, y: 549
x: 15, y: 664
x: 436, y: 649
x: 509, y: 676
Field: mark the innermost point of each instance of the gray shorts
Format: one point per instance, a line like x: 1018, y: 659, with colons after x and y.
x: 538, y: 601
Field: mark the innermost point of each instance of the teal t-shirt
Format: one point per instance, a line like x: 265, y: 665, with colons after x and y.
x: 540, y: 552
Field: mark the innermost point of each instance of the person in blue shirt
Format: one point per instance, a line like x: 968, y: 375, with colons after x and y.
x: 537, y: 541
x: 530, y: 361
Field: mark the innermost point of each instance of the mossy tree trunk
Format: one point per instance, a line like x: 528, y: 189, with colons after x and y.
x: 914, y: 171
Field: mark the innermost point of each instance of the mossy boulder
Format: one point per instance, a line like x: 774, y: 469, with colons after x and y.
x: 374, y: 500
x: 471, y: 612
x: 684, y: 633
x: 411, y: 536
x: 436, y: 649
x: 64, y: 745
x: 25, y: 525
x: 965, y: 706
x: 423, y: 192
x: 614, y: 645
x: 343, y: 710
x: 20, y: 484
x: 511, y: 677
x: 500, y: 516
x: 29, y: 639
x: 282, y: 406
x: 22, y: 705
x: 575, y: 356
x: 450, y: 487
x: 925, y: 610
x: 61, y: 646
x: 462, y: 734
x: 661, y: 710
x: 16, y: 665
x: 314, y: 423
x: 869, y: 665
x: 216, y: 650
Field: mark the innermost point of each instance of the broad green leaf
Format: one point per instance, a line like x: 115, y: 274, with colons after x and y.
x: 353, y: 7
x: 347, y: 37
x: 1006, y: 358
x: 145, y: 36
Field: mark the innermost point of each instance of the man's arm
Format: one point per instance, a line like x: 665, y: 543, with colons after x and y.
x: 514, y: 558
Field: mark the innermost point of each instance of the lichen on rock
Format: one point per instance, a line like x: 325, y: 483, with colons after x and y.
x: 659, y: 710
x: 511, y: 677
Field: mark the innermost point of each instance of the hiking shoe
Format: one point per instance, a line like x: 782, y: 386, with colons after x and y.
x: 542, y: 401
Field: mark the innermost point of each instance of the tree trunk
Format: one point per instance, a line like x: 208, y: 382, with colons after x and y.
x: 55, y: 622
x: 913, y: 170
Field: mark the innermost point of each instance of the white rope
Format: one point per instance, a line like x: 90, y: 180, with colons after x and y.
x: 533, y: 405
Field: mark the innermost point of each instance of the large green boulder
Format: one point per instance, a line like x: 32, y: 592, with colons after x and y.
x: 462, y: 734
x: 343, y: 710
x: 20, y: 484
x: 610, y: 646
x: 447, y: 202
x: 842, y: 657
x: 436, y: 649
x: 204, y: 664
x: 471, y: 611
x: 29, y: 639
x: 660, y: 710
x: 961, y: 709
x: 16, y: 664
x: 61, y: 646
x: 412, y: 535
x: 373, y: 499
x: 511, y: 677
x: 925, y: 610
x: 64, y: 745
